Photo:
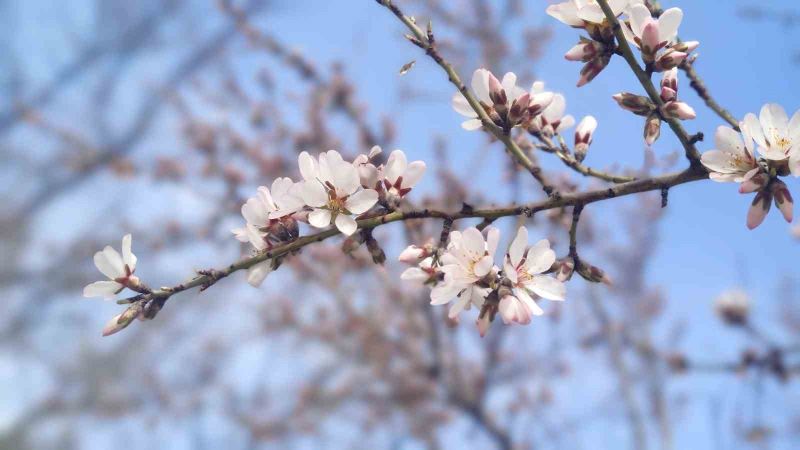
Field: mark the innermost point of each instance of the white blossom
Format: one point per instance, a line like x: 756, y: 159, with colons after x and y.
x: 468, y: 259
x: 576, y: 13
x: 778, y: 138
x: 423, y: 273
x: 649, y: 34
x: 263, y: 213
x: 552, y: 120
x: 118, y: 268
x: 399, y: 176
x: 524, y: 267
x: 368, y: 173
x: 732, y: 159
x: 333, y: 189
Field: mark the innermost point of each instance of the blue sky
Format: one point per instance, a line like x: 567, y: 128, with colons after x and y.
x: 705, y: 246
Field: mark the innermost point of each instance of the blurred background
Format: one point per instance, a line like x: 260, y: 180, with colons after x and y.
x: 160, y: 117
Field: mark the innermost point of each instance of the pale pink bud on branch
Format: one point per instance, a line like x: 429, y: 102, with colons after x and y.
x: 783, y: 199
x: 583, y: 136
x: 652, y: 128
x: 759, y: 209
x: 637, y: 104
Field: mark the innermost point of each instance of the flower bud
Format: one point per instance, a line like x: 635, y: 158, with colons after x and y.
x: 593, y: 273
x: 759, y: 209
x: 669, y: 85
x: 518, y: 109
x: 593, y: 68
x: 783, y: 199
x: 583, y: 136
x: 585, y: 51
x: 670, y: 60
x: 566, y: 268
x: 121, y: 321
x: 650, y: 40
x: 496, y: 93
x: 733, y: 307
x: 754, y: 183
x: 652, y: 128
x: 636, y: 104
x: 679, y: 110
x: 414, y: 254
x: 539, y: 102
x: 686, y: 47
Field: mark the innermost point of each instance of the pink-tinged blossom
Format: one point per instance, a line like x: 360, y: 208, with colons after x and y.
x: 669, y: 95
x: 552, y: 120
x: 584, y: 133
x: 577, y: 13
x: 332, y: 188
x: 732, y: 160
x: 651, y: 35
x: 368, y: 173
x: 504, y: 102
x: 778, y: 138
x: 267, y: 215
x: 524, y: 268
x: 413, y: 254
x: 468, y: 259
x: 399, y: 176
x: 117, y: 268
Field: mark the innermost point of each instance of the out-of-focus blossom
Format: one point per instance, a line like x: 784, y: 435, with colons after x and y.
x: 117, y: 268
x: 733, y: 306
x: 332, y: 188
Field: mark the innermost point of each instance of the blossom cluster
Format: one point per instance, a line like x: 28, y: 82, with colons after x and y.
x: 465, y: 274
x: 735, y: 159
x: 655, y: 38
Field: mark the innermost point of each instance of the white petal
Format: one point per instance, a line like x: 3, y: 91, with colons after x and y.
x: 529, y: 302
x: 472, y: 124
x: 483, y: 266
x: 257, y: 273
x: 517, y: 249
x: 461, y: 105
x: 413, y: 174
x: 480, y: 85
x: 668, y: 24
x: 105, y: 289
x: 414, y: 274
x: 361, y: 201
x: 128, y: 257
x: 492, y: 239
x: 346, y: 224
x: 395, y: 166
x: 308, y: 166
x: 472, y: 241
x: 444, y: 292
x: 319, y: 218
x: 547, y: 287
x: 345, y: 177
x: 774, y: 121
x: 753, y: 126
x: 254, y: 212
x: 566, y: 123
x: 592, y: 13
x: 794, y: 132
x: 314, y: 194
x: 540, y: 257
x: 566, y: 12
x: 639, y: 15
x: 727, y: 139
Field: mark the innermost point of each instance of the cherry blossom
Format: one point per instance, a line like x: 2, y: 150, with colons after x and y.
x: 333, y: 190
x: 506, y: 103
x: 552, y: 120
x: 733, y: 159
x: 468, y: 260
x: 778, y: 138
x: 118, y: 268
x: 268, y: 214
x: 368, y: 173
x: 399, y: 176
x: 577, y: 13
x: 656, y: 38
x: 523, y: 268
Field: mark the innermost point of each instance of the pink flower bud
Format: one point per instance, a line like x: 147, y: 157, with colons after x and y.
x: 583, y: 136
x: 591, y: 69
x: 783, y: 199
x: 686, y: 47
x: 483, y: 324
x: 670, y: 60
x: 652, y: 129
x: 496, y: 92
x: 759, y: 209
x: 754, y: 183
x: 413, y: 254
x: 585, y: 51
x: 680, y: 110
x: 650, y: 40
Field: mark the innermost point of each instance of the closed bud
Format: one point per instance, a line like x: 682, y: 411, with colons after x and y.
x: 593, y: 68
x: 121, y: 321
x: 636, y: 104
x: 686, y: 47
x: 669, y: 85
x: 585, y: 51
x: 755, y: 183
x: 414, y: 254
x: 783, y: 199
x: 593, y: 273
x: 679, y: 110
x: 759, y: 209
x: 583, y: 136
x: 518, y: 109
x: 670, y: 60
x: 650, y: 41
x: 652, y: 128
x: 566, y: 268
x: 496, y: 93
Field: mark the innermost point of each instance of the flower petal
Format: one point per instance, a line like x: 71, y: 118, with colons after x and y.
x: 413, y: 174
x: 361, y: 201
x: 105, y: 289
x: 517, y: 249
x: 128, y: 258
x: 257, y: 273
x: 547, y: 287
x: 346, y: 224
x: 395, y: 166
x: 540, y: 257
x: 319, y: 218
x: 314, y: 194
